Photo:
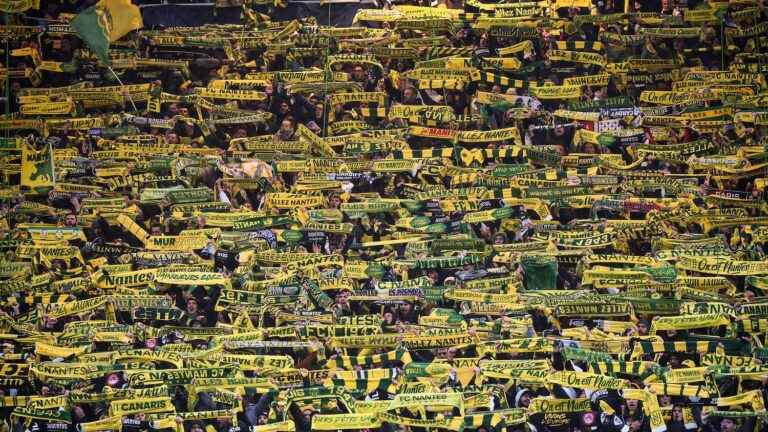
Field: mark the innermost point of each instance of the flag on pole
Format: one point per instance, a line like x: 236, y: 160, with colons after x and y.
x: 37, y: 167
x: 106, y: 22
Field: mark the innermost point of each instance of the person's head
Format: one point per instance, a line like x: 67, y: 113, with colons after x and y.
x: 559, y: 130
x: 334, y: 201
x: 196, y: 427
x: 240, y: 133
x: 150, y: 343
x: 70, y: 220
x: 319, y: 110
x: 642, y: 327
x: 727, y: 425
x: 285, y: 108
x: 677, y: 413
x: 523, y: 398
x: 406, y: 307
x: 171, y: 138
x: 389, y: 317
x: 432, y: 275
x: 342, y: 297
x: 409, y: 95
x: 358, y: 73
x: 156, y: 230
x: 447, y: 353
x: 192, y: 305
x: 485, y: 231
x: 286, y: 126
x: 632, y: 404
x: 674, y: 361
x: 113, y: 380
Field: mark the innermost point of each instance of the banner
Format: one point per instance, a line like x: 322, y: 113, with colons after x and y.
x: 37, y: 168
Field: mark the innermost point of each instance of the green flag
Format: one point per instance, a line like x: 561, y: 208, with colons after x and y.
x: 106, y: 22
x: 539, y: 272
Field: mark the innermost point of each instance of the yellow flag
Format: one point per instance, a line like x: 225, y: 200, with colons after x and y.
x: 36, y: 167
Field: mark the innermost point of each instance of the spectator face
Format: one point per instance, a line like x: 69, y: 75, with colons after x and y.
x: 674, y: 361
x: 485, y: 231
x: 286, y: 127
x: 409, y: 94
x: 389, y: 318
x: 343, y: 298
x: 358, y: 74
x: 727, y: 425
x: 113, y: 380
x: 642, y: 328
x: 432, y: 275
x: 406, y: 307
x: 285, y: 108
x: 191, y: 306
x: 677, y: 413
x: 171, y: 138
x: 70, y: 220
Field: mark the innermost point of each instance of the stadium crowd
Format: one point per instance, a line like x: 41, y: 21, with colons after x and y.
x: 519, y: 216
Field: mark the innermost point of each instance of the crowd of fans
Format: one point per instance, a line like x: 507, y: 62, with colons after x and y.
x: 520, y: 203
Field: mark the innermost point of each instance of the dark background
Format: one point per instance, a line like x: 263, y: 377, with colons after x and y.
x: 173, y: 15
